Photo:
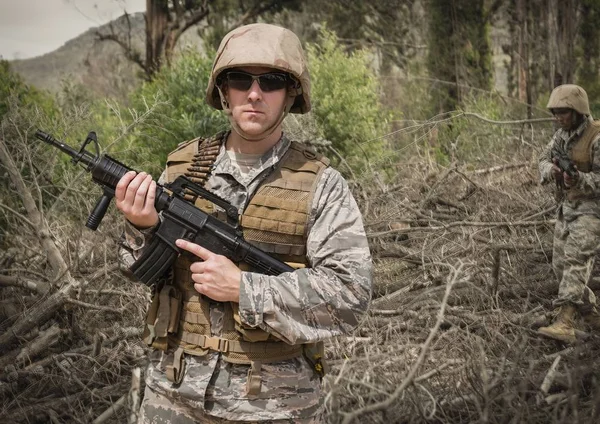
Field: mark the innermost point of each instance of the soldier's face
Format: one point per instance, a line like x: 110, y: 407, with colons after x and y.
x: 255, y: 109
x: 565, y: 118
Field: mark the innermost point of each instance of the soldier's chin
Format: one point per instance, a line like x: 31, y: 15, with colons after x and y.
x: 253, y: 128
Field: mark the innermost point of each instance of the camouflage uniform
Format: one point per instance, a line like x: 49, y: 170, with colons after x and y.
x: 577, y: 230
x: 308, y: 305
x: 324, y: 299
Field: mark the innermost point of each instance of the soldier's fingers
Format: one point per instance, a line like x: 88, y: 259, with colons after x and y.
x: 197, y: 268
x: 141, y: 193
x: 133, y: 188
x: 151, y: 196
x: 122, y: 185
x: 194, y: 248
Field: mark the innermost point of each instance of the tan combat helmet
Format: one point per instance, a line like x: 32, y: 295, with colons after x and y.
x: 570, y: 96
x: 262, y: 45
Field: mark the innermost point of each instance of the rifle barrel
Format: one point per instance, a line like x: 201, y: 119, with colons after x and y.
x: 84, y: 156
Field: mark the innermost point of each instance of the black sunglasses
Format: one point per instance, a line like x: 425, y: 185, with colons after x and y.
x: 560, y: 111
x: 271, y: 81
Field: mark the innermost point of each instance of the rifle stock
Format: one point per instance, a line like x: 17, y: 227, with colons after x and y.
x: 180, y: 218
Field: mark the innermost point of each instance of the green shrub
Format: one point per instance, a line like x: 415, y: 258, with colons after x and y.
x: 14, y: 89
x: 181, y: 112
x: 345, y: 97
x: 346, y: 100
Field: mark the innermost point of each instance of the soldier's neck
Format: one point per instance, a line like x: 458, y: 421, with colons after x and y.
x: 238, y: 144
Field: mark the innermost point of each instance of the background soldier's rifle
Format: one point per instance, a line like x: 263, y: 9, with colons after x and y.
x: 566, y: 165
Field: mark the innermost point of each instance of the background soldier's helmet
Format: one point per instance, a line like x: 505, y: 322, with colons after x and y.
x: 569, y: 96
x: 266, y: 46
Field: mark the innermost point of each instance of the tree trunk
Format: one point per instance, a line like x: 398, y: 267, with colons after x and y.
x: 566, y: 19
x: 157, y: 22
x: 460, y: 54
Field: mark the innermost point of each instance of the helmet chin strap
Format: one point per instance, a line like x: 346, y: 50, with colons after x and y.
x: 255, y: 137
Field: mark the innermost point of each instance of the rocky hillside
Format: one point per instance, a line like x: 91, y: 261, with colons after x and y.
x: 99, y: 65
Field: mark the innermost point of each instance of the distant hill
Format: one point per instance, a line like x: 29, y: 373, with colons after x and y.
x: 101, y: 66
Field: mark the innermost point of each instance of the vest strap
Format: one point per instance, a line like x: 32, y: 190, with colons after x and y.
x: 176, y: 370
x: 254, y: 382
x: 167, y: 298
x: 193, y: 318
x: 149, y: 331
x: 269, y: 351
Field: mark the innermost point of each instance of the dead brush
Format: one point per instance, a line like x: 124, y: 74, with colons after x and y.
x: 462, y: 281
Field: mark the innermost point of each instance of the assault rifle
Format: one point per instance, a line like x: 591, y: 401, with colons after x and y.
x: 565, y: 164
x: 180, y: 217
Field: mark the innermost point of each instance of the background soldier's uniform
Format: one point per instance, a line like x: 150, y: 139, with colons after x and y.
x: 577, y: 230
x: 325, y: 299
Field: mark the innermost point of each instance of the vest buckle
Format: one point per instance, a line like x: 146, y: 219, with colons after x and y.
x: 216, y: 343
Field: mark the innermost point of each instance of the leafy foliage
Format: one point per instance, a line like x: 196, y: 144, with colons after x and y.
x: 13, y: 88
x: 384, y: 25
x: 345, y: 99
x: 182, y: 113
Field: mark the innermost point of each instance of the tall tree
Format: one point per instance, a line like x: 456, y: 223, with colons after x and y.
x: 542, y: 50
x: 589, y: 60
x: 386, y: 27
x: 167, y: 20
x: 459, y: 48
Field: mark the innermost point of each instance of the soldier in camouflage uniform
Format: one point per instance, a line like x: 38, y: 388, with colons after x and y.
x: 577, y: 230
x: 233, y: 345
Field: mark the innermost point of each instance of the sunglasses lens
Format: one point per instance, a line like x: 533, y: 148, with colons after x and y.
x: 239, y: 80
x: 268, y: 82
x: 272, y: 82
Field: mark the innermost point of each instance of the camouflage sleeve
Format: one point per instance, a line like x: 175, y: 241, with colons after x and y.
x: 589, y: 182
x: 329, y: 297
x: 132, y: 244
x: 545, y: 163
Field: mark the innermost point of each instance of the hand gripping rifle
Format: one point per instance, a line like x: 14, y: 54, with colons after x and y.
x: 180, y: 217
x: 565, y: 164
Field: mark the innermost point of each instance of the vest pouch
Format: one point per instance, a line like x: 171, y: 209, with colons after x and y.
x: 162, y: 317
x: 248, y: 334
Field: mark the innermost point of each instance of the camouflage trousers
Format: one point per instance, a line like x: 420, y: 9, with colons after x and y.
x: 159, y: 409
x: 576, y: 243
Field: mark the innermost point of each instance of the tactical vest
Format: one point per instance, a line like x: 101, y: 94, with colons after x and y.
x: 275, y: 220
x: 581, y: 155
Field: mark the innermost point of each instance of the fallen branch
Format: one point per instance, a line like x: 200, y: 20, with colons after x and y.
x: 463, y: 224
x: 134, y: 395
x: 383, y: 405
x: 499, y: 168
x: 92, y: 306
x: 44, y: 341
x: 112, y: 409
x: 36, y: 286
x: 549, y: 378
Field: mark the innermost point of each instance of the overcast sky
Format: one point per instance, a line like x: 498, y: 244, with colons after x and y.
x: 30, y: 28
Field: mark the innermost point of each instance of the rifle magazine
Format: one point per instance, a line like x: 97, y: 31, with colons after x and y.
x: 154, y: 262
